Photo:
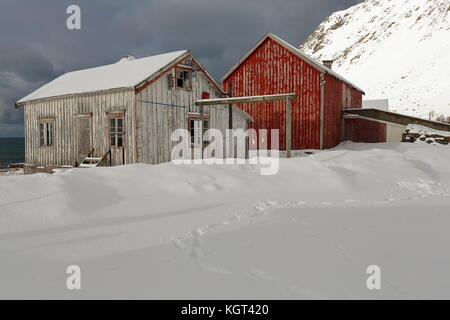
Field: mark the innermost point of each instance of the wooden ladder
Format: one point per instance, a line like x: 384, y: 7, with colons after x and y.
x: 91, y: 162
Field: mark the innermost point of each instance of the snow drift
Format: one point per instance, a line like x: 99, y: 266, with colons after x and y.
x: 199, y: 231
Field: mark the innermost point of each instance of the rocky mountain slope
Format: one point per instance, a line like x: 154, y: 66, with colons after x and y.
x: 395, y: 49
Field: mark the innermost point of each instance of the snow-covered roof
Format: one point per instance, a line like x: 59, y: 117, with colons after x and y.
x: 299, y: 53
x: 415, y: 128
x: 398, y: 118
x: 126, y: 73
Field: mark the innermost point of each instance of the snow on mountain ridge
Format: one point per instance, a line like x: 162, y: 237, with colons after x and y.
x: 396, y: 49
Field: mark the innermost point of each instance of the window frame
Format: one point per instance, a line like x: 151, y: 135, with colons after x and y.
x: 114, y: 132
x: 191, y: 128
x: 46, y: 128
x: 187, y: 81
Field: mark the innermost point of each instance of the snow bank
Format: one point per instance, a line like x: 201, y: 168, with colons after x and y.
x: 198, y: 231
x: 414, y: 132
x: 422, y: 130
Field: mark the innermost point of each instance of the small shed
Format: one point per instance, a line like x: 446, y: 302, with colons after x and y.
x: 273, y: 66
x: 120, y: 113
x: 375, y: 125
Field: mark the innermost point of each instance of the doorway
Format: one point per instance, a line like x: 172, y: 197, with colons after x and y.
x: 117, y: 140
x: 83, y: 136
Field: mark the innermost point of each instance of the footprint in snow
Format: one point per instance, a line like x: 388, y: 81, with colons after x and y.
x: 307, y: 293
x: 178, y: 243
x: 260, y: 274
x: 197, y: 251
x: 343, y: 251
x: 213, y: 269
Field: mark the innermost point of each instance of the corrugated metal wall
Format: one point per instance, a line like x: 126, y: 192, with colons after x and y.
x: 272, y: 69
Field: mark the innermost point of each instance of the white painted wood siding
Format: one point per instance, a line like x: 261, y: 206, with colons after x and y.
x: 394, y: 132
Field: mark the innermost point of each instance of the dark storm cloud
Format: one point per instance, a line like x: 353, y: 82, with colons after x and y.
x: 35, y: 45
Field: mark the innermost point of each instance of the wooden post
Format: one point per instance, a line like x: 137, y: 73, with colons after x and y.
x: 288, y: 127
x: 288, y: 97
x: 322, y: 102
x: 201, y: 130
x: 230, y: 122
x: 230, y: 108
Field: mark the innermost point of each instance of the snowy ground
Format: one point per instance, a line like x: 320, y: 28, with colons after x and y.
x: 167, y: 231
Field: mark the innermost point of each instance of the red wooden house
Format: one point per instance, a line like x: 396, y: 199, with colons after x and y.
x: 273, y: 66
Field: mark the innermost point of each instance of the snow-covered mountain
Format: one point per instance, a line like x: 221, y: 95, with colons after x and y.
x: 395, y: 49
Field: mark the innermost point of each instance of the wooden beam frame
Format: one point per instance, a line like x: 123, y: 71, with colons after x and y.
x: 288, y: 97
x: 273, y: 97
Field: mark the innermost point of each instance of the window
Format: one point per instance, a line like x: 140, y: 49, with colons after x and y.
x: 183, y: 79
x: 46, y: 133
x: 194, y: 128
x: 116, y: 131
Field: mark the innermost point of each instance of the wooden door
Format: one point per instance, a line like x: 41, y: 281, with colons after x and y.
x: 117, y: 140
x: 83, y: 137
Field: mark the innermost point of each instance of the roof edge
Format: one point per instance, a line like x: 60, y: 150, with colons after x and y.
x: 168, y: 66
x: 214, y: 82
x: 21, y: 102
x: 315, y: 64
x: 359, y: 110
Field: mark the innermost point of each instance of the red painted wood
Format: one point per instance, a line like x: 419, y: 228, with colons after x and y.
x: 362, y: 130
x: 332, y: 114
x: 338, y: 96
x: 274, y: 69
x: 205, y: 95
x: 350, y: 126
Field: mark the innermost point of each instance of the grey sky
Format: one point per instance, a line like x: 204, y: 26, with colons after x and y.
x: 36, y: 46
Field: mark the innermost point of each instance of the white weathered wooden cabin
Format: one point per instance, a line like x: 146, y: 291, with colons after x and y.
x: 120, y: 113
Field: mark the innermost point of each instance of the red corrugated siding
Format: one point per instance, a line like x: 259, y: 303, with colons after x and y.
x: 350, y: 126
x: 332, y: 112
x: 356, y: 98
x: 362, y: 130
x: 338, y: 96
x: 272, y: 69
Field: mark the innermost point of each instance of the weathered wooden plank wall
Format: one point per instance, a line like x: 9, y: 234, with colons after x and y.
x: 63, y: 110
x: 148, y: 124
x: 156, y: 121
